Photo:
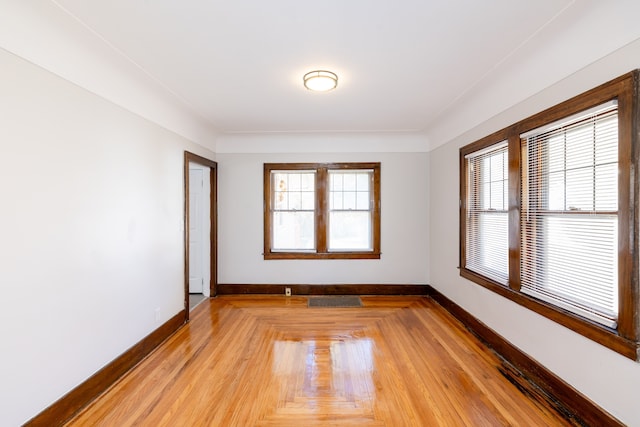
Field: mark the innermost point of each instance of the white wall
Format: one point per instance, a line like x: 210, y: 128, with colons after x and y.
x: 322, y: 142
x: 91, y: 238
x: 609, y: 379
x: 590, y: 30
x: 43, y: 33
x: 404, y: 223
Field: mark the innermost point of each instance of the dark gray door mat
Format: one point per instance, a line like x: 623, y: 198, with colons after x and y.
x: 335, y: 301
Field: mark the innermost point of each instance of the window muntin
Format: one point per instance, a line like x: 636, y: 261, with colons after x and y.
x: 570, y: 225
x: 344, y: 221
x: 487, y: 250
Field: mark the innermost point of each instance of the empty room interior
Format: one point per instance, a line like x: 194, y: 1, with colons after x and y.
x: 461, y: 174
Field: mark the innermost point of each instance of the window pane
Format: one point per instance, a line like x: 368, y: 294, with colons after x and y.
x: 497, y: 195
x: 350, y: 230
x: 557, y: 185
x: 484, y: 190
x: 363, y: 180
x: 579, y: 189
x: 293, y: 231
x: 336, y: 181
x: 308, y: 201
x: 295, y: 200
x: 294, y: 181
x: 280, y: 181
x: 336, y: 201
x: 497, y: 171
x: 349, y: 180
x: 307, y: 182
x: 281, y: 200
x: 579, y: 147
x: 349, y: 198
x: 607, y: 187
x: 606, y: 134
x: 362, y: 200
x: 555, y: 149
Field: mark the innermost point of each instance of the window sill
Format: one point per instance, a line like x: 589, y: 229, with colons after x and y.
x: 323, y: 255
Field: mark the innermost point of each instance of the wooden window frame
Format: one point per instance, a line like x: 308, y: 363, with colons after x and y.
x: 625, y: 338
x: 322, y: 211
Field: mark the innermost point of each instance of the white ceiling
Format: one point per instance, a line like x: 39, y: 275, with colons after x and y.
x: 239, y: 64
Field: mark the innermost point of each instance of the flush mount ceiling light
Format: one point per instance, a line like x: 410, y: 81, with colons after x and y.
x: 320, y: 81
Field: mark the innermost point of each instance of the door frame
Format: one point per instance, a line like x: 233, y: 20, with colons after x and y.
x: 213, y: 237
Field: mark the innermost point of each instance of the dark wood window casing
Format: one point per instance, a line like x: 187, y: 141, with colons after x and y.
x: 321, y: 210
x: 624, y: 337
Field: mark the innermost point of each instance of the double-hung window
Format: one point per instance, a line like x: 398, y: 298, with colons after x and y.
x: 569, y: 232
x: 293, y: 210
x: 549, y: 213
x: 321, y: 211
x: 487, y: 238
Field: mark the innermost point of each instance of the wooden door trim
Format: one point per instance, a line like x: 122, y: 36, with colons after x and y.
x: 213, y: 238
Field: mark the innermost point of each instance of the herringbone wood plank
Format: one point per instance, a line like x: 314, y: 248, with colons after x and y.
x: 271, y: 361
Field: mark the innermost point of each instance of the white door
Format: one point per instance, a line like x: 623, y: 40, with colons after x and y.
x: 196, y: 243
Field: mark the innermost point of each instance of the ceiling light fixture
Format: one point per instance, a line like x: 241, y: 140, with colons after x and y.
x: 320, y: 81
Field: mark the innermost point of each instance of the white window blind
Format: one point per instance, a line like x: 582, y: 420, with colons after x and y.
x: 569, y: 215
x: 487, y: 225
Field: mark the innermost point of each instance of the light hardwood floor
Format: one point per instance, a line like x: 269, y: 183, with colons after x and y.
x: 271, y: 361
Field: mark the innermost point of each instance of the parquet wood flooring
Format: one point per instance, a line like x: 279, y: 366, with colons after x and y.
x: 272, y: 361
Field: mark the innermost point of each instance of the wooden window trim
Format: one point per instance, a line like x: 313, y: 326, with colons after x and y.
x: 322, y: 212
x: 625, y: 339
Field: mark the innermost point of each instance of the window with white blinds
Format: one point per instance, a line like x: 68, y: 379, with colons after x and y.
x: 566, y: 244
x: 487, y: 222
x: 569, y: 214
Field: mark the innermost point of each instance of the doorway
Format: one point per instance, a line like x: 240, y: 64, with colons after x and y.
x: 200, y: 178
x: 199, y: 232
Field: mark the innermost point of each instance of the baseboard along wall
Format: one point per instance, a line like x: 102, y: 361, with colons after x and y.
x: 307, y: 289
